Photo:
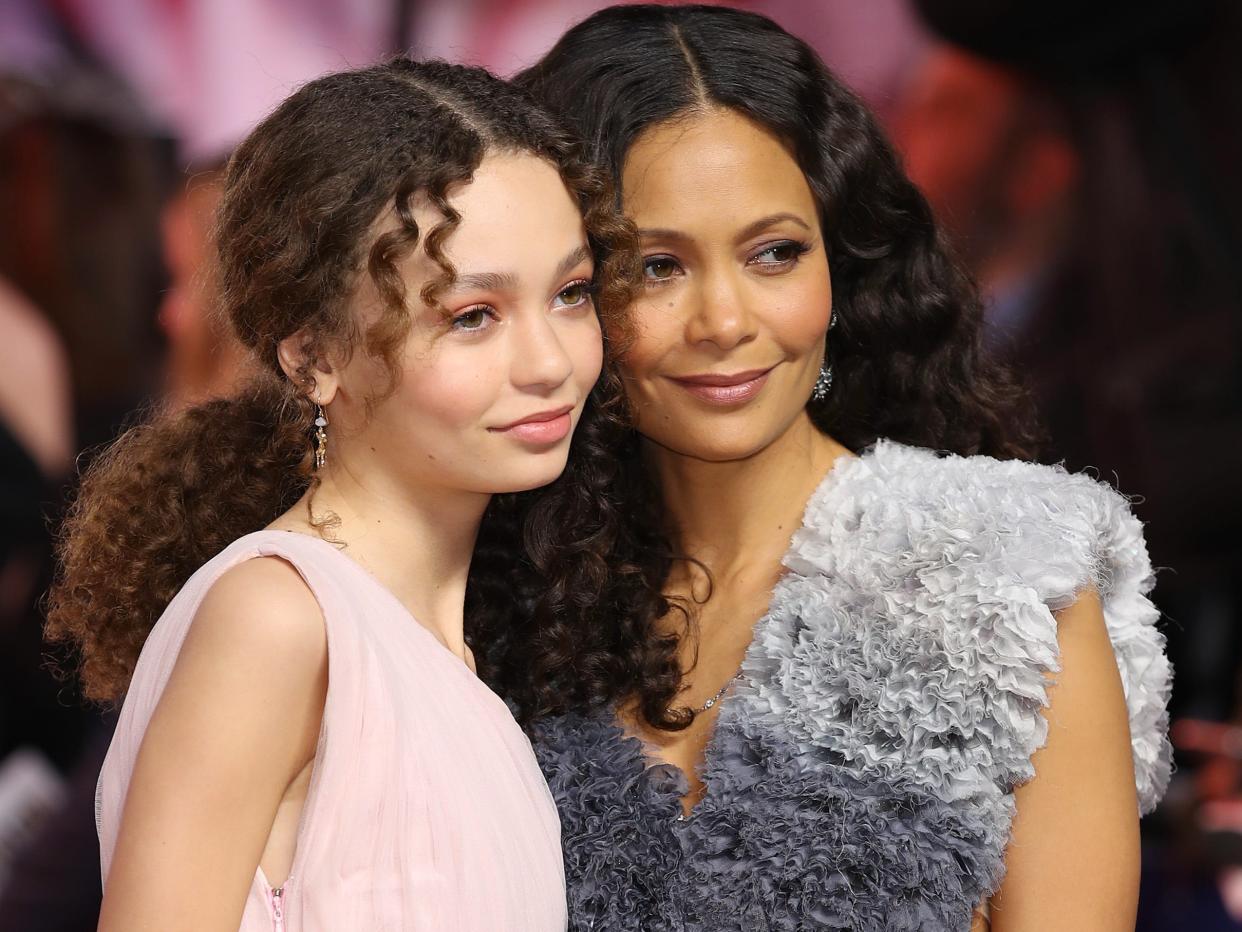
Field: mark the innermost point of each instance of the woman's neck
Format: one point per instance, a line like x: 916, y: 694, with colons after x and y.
x: 732, y: 515
x: 418, y: 544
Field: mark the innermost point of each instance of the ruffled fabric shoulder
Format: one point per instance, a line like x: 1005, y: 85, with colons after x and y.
x: 914, y: 634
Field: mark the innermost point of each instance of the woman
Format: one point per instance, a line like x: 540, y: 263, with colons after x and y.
x: 304, y: 742
x: 834, y: 732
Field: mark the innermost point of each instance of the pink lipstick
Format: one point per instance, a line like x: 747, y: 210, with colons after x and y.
x: 543, y: 427
x: 724, y: 388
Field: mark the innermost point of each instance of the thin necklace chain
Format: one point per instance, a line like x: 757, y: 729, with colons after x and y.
x: 719, y: 695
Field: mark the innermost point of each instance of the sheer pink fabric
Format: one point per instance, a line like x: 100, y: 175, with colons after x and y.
x: 426, y: 809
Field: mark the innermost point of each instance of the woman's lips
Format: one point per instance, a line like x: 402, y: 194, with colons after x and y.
x: 544, y: 427
x: 729, y: 389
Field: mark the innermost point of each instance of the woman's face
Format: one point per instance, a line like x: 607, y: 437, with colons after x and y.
x: 737, y: 298
x: 492, y: 382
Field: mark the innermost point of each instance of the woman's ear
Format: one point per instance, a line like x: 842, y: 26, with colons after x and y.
x: 304, y: 362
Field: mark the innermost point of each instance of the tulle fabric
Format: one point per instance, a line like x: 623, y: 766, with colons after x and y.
x: 426, y: 808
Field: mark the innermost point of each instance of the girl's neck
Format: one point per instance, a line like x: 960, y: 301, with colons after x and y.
x: 732, y: 515
x: 417, y: 543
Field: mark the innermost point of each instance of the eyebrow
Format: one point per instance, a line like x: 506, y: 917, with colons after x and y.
x: 484, y: 281
x: 508, y: 281
x: 770, y: 221
x: 750, y: 230
x: 578, y: 256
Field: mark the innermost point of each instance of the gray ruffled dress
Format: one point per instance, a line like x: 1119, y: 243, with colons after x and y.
x: 862, y: 769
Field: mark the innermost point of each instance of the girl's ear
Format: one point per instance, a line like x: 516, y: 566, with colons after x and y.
x: 308, y: 367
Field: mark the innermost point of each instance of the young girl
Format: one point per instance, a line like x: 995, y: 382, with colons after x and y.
x: 840, y: 681
x: 304, y: 742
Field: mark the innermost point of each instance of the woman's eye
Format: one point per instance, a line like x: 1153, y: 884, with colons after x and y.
x: 659, y: 268
x: 780, y: 253
x: 476, y: 318
x: 575, y: 295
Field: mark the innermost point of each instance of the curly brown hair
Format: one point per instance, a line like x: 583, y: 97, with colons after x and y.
x: 295, y: 235
x: 907, y: 354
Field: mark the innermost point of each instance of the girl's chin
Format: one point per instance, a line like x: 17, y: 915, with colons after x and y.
x: 522, y: 477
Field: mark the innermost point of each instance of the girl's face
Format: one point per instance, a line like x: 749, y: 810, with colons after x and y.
x: 737, y: 297
x: 493, y: 381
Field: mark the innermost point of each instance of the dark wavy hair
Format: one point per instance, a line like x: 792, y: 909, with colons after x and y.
x: 295, y: 237
x: 906, y: 353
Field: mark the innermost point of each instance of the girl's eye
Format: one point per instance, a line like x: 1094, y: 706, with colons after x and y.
x: 575, y: 294
x: 780, y: 253
x: 473, y: 319
x: 659, y: 268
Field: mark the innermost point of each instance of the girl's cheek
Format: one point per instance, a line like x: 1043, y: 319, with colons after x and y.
x: 457, y: 389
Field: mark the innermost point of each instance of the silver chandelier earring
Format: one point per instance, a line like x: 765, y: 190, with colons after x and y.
x: 822, y: 384
x: 321, y: 438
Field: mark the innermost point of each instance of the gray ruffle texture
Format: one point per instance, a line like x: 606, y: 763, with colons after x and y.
x: 862, y: 770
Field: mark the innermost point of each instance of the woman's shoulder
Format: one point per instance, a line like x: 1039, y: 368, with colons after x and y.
x: 951, y: 486
x: 909, y: 509
x: 924, y: 587
x: 982, y: 486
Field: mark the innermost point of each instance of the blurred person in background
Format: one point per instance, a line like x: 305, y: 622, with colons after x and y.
x: 995, y: 158
x: 38, y: 735
x: 80, y: 179
x: 36, y: 409
x: 205, y: 359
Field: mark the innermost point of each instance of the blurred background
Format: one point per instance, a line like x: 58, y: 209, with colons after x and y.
x: 1083, y: 157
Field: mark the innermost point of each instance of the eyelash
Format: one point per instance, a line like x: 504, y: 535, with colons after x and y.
x: 456, y: 322
x: 647, y: 260
x: 588, y: 287
x: 800, y: 249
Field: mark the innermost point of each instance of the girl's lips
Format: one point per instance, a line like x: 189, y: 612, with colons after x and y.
x: 725, y: 390
x: 551, y: 431
x: 546, y: 427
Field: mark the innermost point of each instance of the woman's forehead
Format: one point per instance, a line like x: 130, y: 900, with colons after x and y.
x: 711, y: 162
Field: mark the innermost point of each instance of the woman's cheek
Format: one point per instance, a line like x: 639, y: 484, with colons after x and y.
x: 814, y: 305
x: 807, y: 322
x: 656, y: 331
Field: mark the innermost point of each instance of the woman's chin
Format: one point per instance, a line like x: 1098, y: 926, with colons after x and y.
x: 720, y: 448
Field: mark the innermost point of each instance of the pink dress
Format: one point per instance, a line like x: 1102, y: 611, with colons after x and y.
x: 426, y: 809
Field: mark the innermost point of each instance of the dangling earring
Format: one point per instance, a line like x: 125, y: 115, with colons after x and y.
x: 822, y: 384
x: 321, y: 437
